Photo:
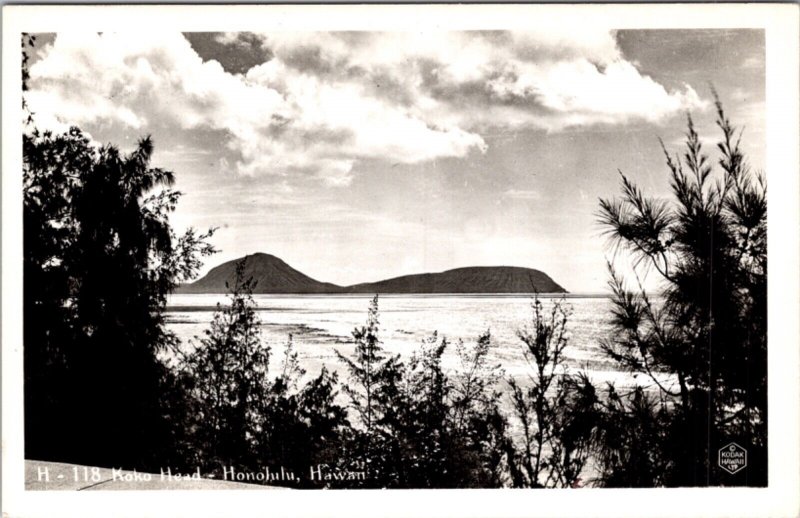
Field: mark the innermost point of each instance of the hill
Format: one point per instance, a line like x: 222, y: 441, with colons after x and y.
x: 476, y: 279
x: 275, y: 276
x: 271, y: 273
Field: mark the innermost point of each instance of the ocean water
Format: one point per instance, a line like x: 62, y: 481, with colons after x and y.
x: 322, y: 324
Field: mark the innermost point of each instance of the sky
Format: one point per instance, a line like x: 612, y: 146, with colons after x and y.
x: 359, y: 156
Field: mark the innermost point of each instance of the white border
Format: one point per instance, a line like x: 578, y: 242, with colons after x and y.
x: 780, y: 499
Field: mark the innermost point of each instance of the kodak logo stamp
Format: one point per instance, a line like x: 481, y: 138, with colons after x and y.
x: 732, y: 458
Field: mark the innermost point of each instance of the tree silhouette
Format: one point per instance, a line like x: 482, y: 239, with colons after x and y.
x: 100, y: 259
x: 229, y: 368
x: 703, y: 346
x: 416, y: 425
x: 556, y: 409
x: 247, y: 419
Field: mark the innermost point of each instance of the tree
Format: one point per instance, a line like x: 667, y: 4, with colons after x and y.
x: 703, y: 344
x: 632, y: 431
x: 325, y: 427
x: 244, y: 417
x: 419, y: 426
x: 481, y: 449
x: 300, y: 424
x: 100, y: 259
x: 229, y: 368
x: 447, y: 427
x: 422, y: 430
x: 556, y: 410
x: 366, y: 369
x: 373, y: 392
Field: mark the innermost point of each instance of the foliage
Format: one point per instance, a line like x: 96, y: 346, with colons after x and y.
x: 708, y: 334
x: 302, y: 425
x: 369, y: 371
x: 631, y: 430
x: 246, y: 419
x: 555, y: 410
x: 480, y: 425
x: 100, y: 259
x: 372, y: 393
x: 230, y: 367
x: 27, y: 43
x: 417, y: 425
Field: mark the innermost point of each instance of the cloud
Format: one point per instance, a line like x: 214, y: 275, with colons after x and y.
x: 474, y: 80
x: 522, y: 194
x: 322, y: 102
x: 755, y: 62
x: 579, y: 93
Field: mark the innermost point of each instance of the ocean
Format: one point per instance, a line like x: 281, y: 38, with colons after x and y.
x: 322, y: 324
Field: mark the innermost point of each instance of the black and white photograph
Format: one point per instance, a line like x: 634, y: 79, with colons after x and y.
x: 531, y: 256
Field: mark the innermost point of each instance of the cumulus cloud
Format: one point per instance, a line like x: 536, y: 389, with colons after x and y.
x: 321, y: 102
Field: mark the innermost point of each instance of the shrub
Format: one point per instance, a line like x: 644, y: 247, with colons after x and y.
x: 249, y: 420
x: 418, y: 426
x: 556, y: 410
x: 229, y: 369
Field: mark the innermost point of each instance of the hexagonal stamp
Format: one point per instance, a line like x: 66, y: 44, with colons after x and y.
x: 732, y: 458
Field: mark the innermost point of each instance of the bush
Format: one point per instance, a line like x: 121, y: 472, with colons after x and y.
x: 229, y: 369
x: 418, y: 426
x: 556, y: 410
x: 244, y: 418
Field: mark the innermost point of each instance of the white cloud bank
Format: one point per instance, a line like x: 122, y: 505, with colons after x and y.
x: 323, y: 101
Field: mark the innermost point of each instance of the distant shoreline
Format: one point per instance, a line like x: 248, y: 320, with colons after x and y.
x: 178, y: 307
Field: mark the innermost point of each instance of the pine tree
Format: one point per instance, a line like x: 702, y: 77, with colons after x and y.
x: 703, y: 344
x: 373, y: 392
x: 230, y: 369
x: 555, y: 409
x: 366, y: 369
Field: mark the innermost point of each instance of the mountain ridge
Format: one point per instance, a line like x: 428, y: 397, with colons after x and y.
x: 271, y: 273
x: 274, y: 276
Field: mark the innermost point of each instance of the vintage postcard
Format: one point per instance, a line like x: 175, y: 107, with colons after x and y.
x: 540, y: 259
